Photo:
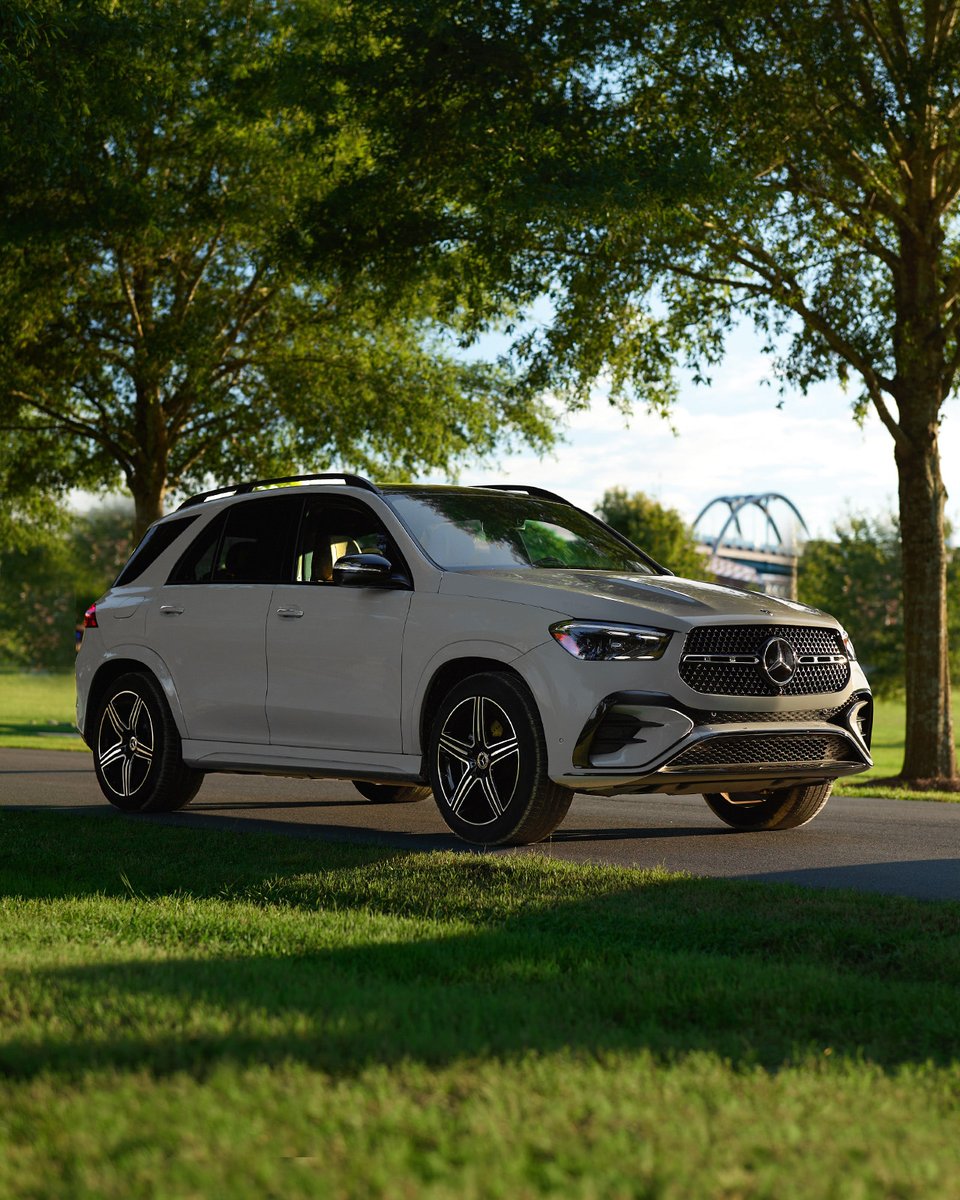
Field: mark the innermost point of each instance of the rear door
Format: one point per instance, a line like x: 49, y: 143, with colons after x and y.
x: 334, y: 651
x: 208, y: 623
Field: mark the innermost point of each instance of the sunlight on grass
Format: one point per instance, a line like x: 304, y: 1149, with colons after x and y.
x: 208, y: 1013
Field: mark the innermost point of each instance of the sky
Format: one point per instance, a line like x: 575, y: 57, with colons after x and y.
x: 731, y: 439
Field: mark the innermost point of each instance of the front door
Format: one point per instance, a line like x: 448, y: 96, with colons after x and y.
x: 334, y: 650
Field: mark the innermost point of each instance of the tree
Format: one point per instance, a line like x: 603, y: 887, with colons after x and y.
x: 51, y: 577
x: 151, y: 329
x: 660, y: 531
x: 663, y: 169
x: 856, y: 576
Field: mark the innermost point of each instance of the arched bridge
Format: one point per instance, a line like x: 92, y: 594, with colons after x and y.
x: 756, y: 543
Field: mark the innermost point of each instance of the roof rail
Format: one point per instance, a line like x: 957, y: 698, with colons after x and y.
x: 522, y: 487
x: 239, y: 489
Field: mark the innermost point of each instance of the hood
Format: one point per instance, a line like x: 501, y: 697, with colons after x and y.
x: 666, y: 600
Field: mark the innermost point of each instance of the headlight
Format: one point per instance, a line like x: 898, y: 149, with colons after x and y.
x: 848, y: 645
x: 598, y: 641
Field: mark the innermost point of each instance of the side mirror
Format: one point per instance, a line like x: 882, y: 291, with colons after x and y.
x: 363, y: 570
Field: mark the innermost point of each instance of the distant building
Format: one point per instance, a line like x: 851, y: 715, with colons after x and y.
x: 753, y: 542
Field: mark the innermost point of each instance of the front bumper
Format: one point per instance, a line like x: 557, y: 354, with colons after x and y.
x: 637, y: 742
x: 669, y: 738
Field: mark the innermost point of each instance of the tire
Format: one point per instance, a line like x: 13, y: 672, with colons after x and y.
x: 780, y: 808
x: 137, y: 751
x: 391, y: 793
x: 488, y: 764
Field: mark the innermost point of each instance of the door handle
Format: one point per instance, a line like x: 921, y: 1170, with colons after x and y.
x: 289, y: 612
x: 170, y: 610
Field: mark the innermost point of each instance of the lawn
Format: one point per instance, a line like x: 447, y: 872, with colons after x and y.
x: 190, y: 1013
x: 37, y: 711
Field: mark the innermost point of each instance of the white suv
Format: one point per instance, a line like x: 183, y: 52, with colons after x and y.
x: 495, y: 643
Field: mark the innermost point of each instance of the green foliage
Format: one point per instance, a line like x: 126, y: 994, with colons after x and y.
x: 152, y: 331
x: 660, y: 531
x: 857, y: 577
x: 49, y: 580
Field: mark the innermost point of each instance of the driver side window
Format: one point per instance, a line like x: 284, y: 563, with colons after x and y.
x: 332, y: 528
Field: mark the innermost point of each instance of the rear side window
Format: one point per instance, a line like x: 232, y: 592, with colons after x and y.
x: 157, y: 539
x: 257, y: 543
x: 196, y: 563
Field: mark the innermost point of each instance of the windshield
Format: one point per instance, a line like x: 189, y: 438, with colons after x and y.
x: 471, y: 530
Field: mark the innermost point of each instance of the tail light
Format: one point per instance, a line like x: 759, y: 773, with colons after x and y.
x: 90, y: 617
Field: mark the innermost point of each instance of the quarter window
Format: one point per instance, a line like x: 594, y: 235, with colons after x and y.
x: 157, y: 539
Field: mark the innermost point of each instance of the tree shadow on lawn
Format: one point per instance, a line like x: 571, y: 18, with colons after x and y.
x: 592, y: 963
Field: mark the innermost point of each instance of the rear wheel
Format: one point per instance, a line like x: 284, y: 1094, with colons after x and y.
x: 137, y: 750
x: 391, y: 793
x: 488, y: 764
x: 779, y: 808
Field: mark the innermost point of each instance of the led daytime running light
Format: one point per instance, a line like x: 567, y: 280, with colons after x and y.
x: 598, y: 641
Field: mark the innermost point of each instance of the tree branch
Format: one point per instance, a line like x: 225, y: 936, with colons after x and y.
x: 75, y: 425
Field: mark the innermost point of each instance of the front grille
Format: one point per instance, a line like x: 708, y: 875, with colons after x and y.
x: 746, y: 677
x: 788, y: 749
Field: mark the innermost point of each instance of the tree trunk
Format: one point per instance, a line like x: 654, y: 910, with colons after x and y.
x: 148, y: 501
x: 929, y: 752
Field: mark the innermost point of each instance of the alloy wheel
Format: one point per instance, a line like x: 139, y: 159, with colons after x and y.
x: 125, y: 743
x: 478, y: 760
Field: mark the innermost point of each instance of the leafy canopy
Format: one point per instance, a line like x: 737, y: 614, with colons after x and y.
x: 152, y: 328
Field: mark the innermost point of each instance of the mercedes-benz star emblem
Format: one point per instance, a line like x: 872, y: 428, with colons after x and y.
x: 779, y: 661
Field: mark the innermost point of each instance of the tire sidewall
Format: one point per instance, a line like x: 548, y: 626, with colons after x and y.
x: 785, y: 808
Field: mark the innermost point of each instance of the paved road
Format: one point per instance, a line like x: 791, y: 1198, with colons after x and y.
x: 907, y: 848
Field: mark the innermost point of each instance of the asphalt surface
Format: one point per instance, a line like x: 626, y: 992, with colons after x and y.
x: 906, y: 848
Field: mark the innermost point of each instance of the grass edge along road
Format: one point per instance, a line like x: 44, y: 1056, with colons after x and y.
x: 206, y: 1012
x: 37, y: 713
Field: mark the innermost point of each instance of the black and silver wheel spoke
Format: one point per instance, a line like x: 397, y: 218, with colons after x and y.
x: 113, y: 717
x: 111, y: 754
x: 460, y: 792
x: 456, y: 749
x: 490, y: 791
x: 500, y: 751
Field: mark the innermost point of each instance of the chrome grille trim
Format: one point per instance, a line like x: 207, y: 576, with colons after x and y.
x: 725, y: 660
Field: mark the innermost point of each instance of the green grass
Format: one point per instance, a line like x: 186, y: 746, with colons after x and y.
x: 197, y: 1013
x: 37, y: 711
x: 887, y: 749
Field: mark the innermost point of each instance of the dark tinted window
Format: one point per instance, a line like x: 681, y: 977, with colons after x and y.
x: 333, y: 528
x: 196, y: 563
x: 257, y: 542
x: 157, y: 539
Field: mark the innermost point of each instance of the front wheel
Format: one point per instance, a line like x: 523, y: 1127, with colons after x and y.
x: 778, y: 808
x: 488, y: 764
x: 136, y: 753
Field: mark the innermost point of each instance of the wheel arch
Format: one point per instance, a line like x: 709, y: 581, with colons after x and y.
x: 122, y: 660
x: 447, y: 676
